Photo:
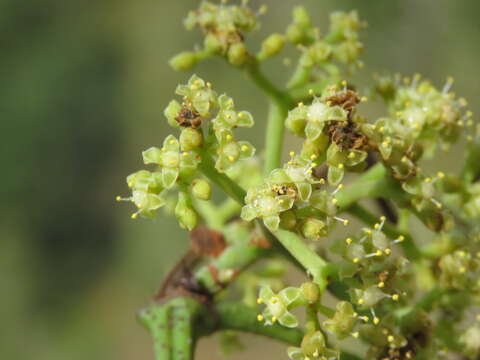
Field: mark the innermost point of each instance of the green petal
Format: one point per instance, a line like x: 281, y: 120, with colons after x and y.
x: 289, y: 294
x: 272, y: 222
x: 266, y: 293
x: 169, y: 177
x: 245, y: 119
x: 246, y: 149
x: 358, y: 157
x: 295, y: 353
x: 313, y: 130
x: 152, y: 155
x: 248, y: 213
x: 225, y: 102
x: 288, y: 320
x: 335, y: 175
x: 171, y: 143
x: 188, y: 160
x: 304, y: 190
x: 385, y: 150
x: 284, y: 203
x: 278, y: 176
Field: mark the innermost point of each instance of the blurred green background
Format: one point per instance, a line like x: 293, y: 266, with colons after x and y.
x: 82, y: 88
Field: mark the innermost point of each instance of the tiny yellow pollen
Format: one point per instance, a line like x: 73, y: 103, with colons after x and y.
x: 134, y: 216
x: 390, y: 338
x: 376, y: 320
x: 292, y: 153
x: 329, y: 103
x: 355, y: 260
x: 469, y: 113
x: 462, y: 270
x: 163, y: 149
x: 361, y: 302
x: 118, y: 198
x: 313, y: 157
x: 381, y: 130
x: 340, y: 186
x: 378, y: 253
x: 399, y: 113
x: 130, y: 184
x: 395, y: 297
x: 334, y: 201
x: 171, y: 142
x: 340, y: 166
x: 209, y: 84
x: 348, y: 240
x: 381, y: 284
x: 311, y: 92
x: 260, y: 317
x: 368, y: 231
x: 355, y: 334
x: 274, y: 300
x: 314, y: 164
x: 244, y: 147
x: 387, y: 251
x: 385, y: 143
x: 185, y: 153
x: 376, y: 226
x: 441, y: 175
x: 383, y: 218
x: 274, y: 319
x: 344, y: 83
x: 301, y: 104
x: 345, y: 222
x: 351, y: 155
x: 259, y: 301
x: 427, y: 180
x: 231, y: 158
x: 401, y: 238
x: 321, y: 181
x: 365, y: 318
x: 364, y: 99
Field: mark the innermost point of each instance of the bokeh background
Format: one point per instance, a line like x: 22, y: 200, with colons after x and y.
x: 82, y: 88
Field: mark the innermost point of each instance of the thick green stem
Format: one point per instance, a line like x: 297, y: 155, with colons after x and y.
x: 236, y: 316
x: 280, y: 103
x: 274, y: 135
x: 318, y: 268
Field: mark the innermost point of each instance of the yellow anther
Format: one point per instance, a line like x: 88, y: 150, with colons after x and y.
x: 185, y: 153
x: 344, y: 83
x: 364, y: 99
x: 260, y: 317
x: 404, y: 159
x: 301, y: 104
x: 355, y: 334
x: 274, y: 300
x: 462, y: 270
x: 401, y: 238
x: 259, y: 301
x: 345, y: 222
x: 313, y: 157
x: 340, y: 186
x: 340, y: 166
x: 365, y: 318
x: 478, y: 317
x: 381, y: 284
x: 351, y: 155
x: 385, y: 143
x: 376, y: 320
x: 321, y: 181
x: 329, y: 103
x: 368, y: 231
x: 395, y: 297
x: 398, y: 113
x: 381, y: 130
x: 134, y: 216
x: 348, y: 241
x: 244, y: 147
x: 378, y: 253
x: 376, y: 226
x: 355, y: 260
x: 118, y: 198
x: 263, y: 9
x: 171, y: 142
x: 314, y: 164
x: 231, y: 158
x: 390, y: 338
x: 163, y: 149
x: 387, y: 251
x: 427, y: 180
x: 274, y: 319
x: 334, y: 201
x: 383, y: 218
x: 311, y: 92
x: 209, y: 84
x: 292, y: 153
x: 441, y: 175
x: 361, y: 301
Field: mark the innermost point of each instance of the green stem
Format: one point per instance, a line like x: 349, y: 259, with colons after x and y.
x: 312, y: 323
x: 236, y: 316
x: 207, y: 167
x: 280, y: 103
x: 274, y: 136
x: 311, y: 261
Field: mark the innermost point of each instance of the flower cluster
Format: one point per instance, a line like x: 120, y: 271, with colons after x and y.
x: 332, y: 131
x: 321, y: 54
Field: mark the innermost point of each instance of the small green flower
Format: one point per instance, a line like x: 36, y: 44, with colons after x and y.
x: 276, y: 306
x: 227, y: 118
x: 173, y: 163
x: 272, y: 46
x: 201, y: 189
x: 229, y: 151
x: 313, y: 346
x: 343, y: 321
x: 369, y: 297
x: 199, y: 95
x: 184, y: 212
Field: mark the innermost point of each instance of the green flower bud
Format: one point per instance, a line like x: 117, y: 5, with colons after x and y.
x: 190, y: 139
x: 184, y: 61
x: 187, y: 217
x: 313, y: 343
x: 295, y: 34
x: 272, y: 46
x: 342, y: 323
x: 301, y: 17
x: 310, y: 292
x: 288, y: 220
x: 201, y: 189
x: 237, y: 54
x: 171, y: 112
x: 212, y: 44
x: 313, y: 229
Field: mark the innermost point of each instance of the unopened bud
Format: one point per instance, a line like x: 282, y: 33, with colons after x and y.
x: 237, y: 54
x: 186, y: 60
x: 272, y: 45
x: 201, y: 189
x: 190, y: 139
